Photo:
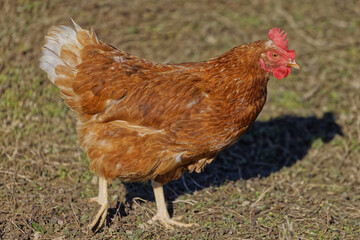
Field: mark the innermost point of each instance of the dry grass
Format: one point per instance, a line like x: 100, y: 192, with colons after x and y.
x: 295, y: 175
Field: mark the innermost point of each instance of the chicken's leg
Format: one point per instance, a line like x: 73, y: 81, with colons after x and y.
x: 162, y: 214
x: 101, y: 199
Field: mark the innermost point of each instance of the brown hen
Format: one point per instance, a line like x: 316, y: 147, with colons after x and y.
x: 140, y: 121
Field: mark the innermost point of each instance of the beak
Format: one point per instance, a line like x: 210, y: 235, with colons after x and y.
x: 293, y: 64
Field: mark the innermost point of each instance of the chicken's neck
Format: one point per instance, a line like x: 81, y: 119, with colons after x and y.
x: 237, y: 74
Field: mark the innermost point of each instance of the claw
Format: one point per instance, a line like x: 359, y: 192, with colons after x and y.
x: 178, y: 218
x: 167, y: 222
x: 99, y: 219
x: 162, y: 215
x: 101, y: 199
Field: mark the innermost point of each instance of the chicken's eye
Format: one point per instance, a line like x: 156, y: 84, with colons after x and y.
x: 275, y: 55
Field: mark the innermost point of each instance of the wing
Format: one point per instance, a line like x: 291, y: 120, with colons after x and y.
x: 113, y: 85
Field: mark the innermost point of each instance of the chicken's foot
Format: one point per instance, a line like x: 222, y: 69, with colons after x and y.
x: 101, y: 199
x: 162, y: 214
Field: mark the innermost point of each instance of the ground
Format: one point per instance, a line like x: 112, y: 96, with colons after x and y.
x: 294, y: 175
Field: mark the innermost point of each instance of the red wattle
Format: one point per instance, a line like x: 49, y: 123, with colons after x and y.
x: 281, y: 72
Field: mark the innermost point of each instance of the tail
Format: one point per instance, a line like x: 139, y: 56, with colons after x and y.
x: 61, y: 55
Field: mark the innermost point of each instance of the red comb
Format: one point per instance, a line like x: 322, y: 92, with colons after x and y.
x: 278, y: 37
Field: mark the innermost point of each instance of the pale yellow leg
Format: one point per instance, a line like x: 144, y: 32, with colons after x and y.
x: 162, y: 214
x: 101, y: 199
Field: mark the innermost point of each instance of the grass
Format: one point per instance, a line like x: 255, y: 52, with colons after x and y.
x: 294, y: 175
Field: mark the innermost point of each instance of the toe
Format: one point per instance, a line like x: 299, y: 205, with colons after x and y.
x: 169, y: 223
x: 178, y: 218
x: 100, y: 218
x: 94, y: 199
x: 180, y: 224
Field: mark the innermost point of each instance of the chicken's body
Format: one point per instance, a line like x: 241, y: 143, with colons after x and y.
x: 141, y: 121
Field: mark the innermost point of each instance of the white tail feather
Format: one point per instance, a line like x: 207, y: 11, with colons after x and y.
x: 61, y: 38
x: 77, y: 27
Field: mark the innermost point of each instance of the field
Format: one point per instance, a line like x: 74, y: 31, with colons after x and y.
x: 294, y: 175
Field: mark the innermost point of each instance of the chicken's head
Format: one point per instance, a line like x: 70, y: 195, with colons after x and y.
x: 278, y: 59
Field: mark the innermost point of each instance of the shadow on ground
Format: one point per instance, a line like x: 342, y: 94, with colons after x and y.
x: 265, y: 148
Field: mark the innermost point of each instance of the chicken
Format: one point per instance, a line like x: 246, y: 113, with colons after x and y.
x: 140, y: 121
